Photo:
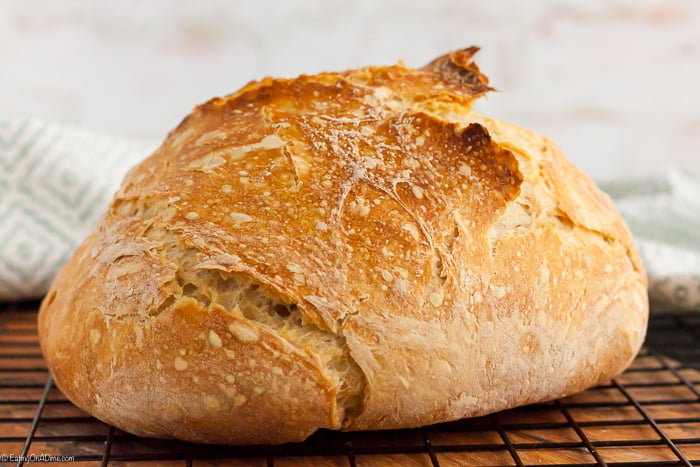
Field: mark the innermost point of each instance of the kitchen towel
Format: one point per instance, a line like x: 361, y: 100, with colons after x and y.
x: 56, y: 180
x: 663, y: 213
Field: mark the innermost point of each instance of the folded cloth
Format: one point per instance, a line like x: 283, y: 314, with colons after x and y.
x: 663, y: 213
x: 56, y: 180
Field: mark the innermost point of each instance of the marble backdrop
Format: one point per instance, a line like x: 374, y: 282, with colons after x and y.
x: 615, y: 83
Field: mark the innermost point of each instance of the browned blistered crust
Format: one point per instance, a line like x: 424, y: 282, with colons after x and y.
x: 353, y: 250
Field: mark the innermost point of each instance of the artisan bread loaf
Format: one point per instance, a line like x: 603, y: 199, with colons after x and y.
x: 351, y: 251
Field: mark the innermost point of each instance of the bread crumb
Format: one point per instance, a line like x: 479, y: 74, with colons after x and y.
x: 208, y: 162
x: 230, y: 353
x: 139, y: 337
x: 212, y: 135
x: 212, y: 403
x: 371, y: 162
x: 230, y: 379
x: 435, y: 298
x: 229, y: 391
x: 386, y: 275
x: 192, y: 215
x: 180, y: 364
x: 465, y: 170
x: 95, y: 336
x: 477, y: 298
x: 195, y: 379
x: 294, y: 268
x: 412, y: 230
x: 360, y: 207
x: 243, y: 332
x: 411, y: 163
x: 322, y: 226
x: 404, y: 382
x: 214, y: 339
x: 271, y: 142
x: 417, y: 191
x: 240, y: 218
x: 179, y: 140
x: 498, y: 292
x: 239, y: 152
x: 299, y: 278
x: 382, y: 92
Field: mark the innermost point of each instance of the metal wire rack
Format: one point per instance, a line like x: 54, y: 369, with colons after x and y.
x: 648, y: 416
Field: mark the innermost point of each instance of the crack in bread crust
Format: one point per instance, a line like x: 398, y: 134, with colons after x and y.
x: 210, y: 284
x: 243, y: 297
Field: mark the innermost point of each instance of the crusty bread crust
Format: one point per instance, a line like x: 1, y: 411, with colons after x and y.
x: 353, y: 250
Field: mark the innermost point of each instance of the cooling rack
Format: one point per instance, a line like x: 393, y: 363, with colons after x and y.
x: 648, y: 416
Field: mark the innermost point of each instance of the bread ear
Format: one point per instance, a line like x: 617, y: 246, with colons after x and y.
x: 458, y: 69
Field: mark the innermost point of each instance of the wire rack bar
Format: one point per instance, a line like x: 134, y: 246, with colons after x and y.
x: 581, y: 434
x: 653, y: 424
x: 429, y: 448
x: 509, y: 445
x: 678, y: 375
x: 108, y: 447
x: 35, y: 421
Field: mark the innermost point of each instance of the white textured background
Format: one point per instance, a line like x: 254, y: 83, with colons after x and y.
x: 616, y: 83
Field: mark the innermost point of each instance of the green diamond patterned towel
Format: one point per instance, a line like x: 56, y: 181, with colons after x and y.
x: 55, y: 181
x: 663, y: 213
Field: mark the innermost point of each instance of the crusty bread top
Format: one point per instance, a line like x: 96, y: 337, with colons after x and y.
x: 298, y: 176
x: 395, y: 225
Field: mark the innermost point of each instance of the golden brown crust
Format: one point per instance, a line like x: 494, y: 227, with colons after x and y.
x: 459, y: 71
x: 440, y: 264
